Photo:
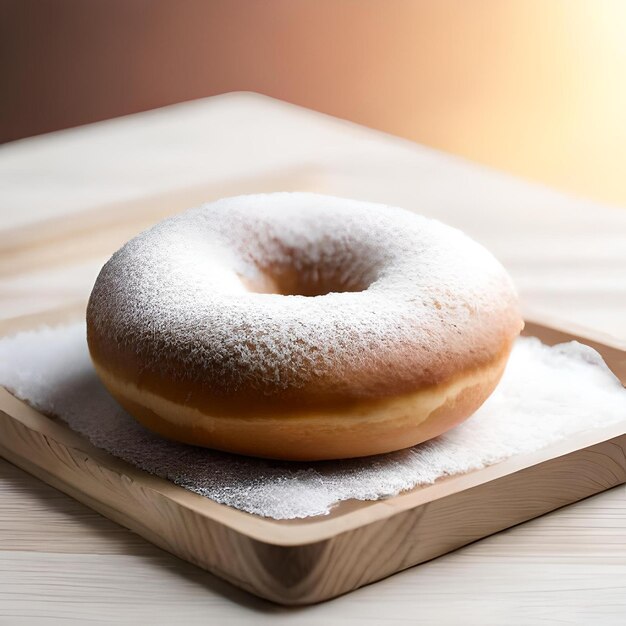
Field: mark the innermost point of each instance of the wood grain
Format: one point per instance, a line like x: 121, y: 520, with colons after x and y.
x: 61, y: 561
x: 307, y: 561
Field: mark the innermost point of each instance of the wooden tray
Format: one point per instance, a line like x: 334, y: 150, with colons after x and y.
x: 306, y: 561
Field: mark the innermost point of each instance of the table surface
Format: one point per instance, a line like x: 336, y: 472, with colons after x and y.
x: 60, y: 561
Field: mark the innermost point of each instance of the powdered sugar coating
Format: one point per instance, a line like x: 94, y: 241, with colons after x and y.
x: 420, y: 301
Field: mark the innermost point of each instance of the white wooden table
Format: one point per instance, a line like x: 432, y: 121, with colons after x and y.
x: 59, y: 561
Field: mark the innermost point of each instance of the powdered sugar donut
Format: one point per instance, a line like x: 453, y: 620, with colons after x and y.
x: 301, y: 326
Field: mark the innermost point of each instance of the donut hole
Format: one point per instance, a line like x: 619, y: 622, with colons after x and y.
x: 308, y: 282
x: 312, y: 282
x: 297, y: 274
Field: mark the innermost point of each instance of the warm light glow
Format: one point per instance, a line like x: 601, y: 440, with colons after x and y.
x: 536, y: 87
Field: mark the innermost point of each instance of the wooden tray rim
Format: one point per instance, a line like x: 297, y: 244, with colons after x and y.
x: 313, y: 529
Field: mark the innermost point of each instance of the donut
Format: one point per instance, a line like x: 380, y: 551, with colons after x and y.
x: 300, y: 326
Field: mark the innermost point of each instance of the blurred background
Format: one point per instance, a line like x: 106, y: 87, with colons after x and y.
x: 534, y: 87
